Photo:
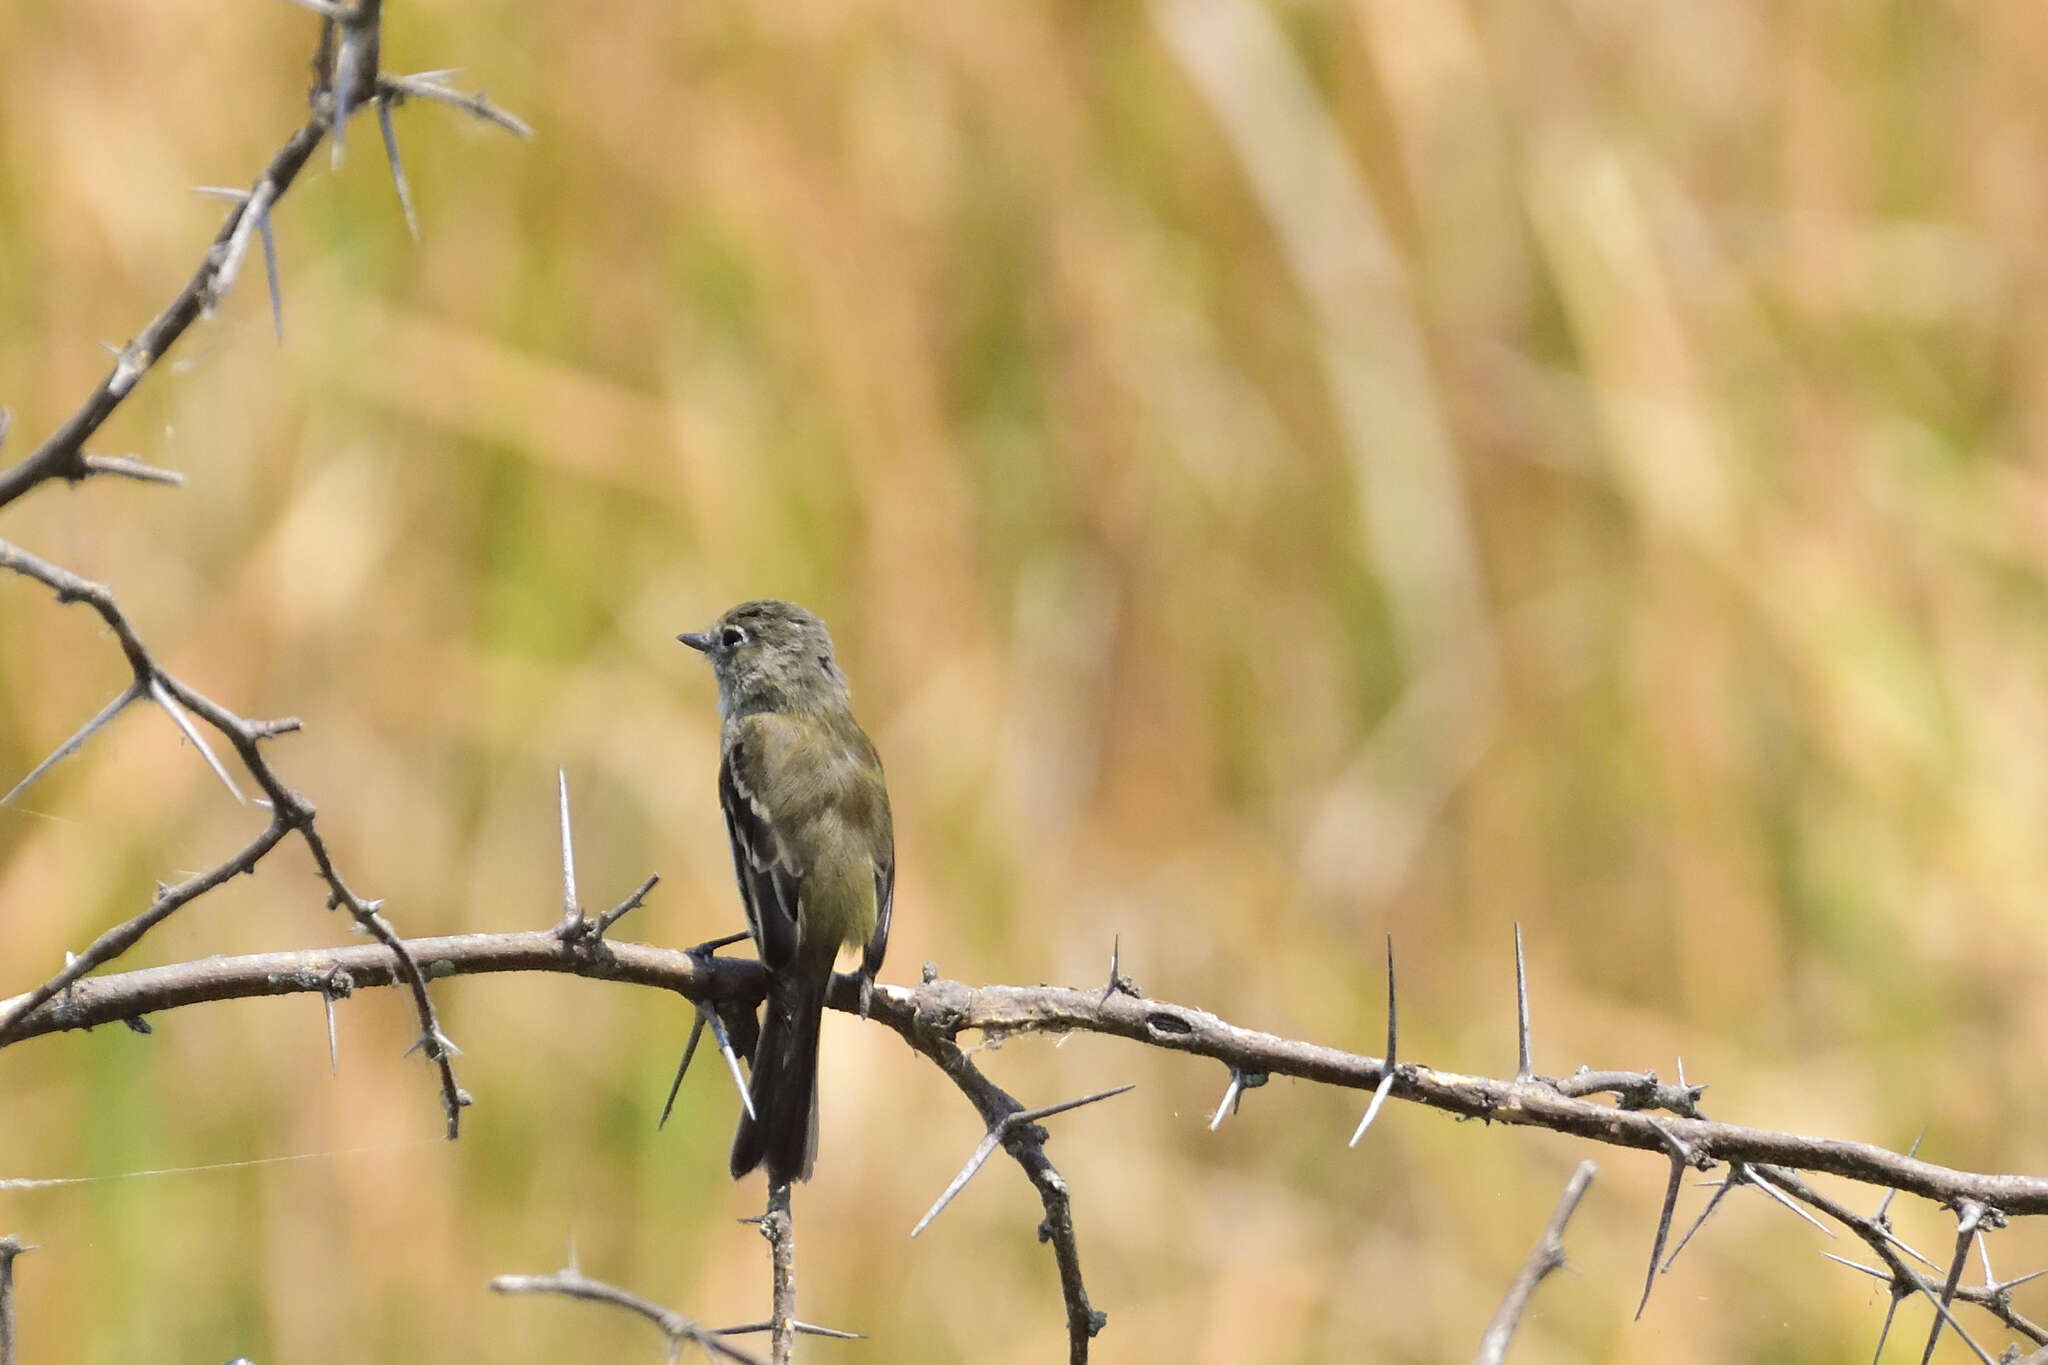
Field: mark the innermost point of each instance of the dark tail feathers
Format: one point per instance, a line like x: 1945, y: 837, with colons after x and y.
x: 782, y: 1134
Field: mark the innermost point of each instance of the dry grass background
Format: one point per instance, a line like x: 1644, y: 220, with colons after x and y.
x: 1278, y: 475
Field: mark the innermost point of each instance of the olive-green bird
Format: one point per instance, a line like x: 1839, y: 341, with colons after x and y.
x: 812, y: 844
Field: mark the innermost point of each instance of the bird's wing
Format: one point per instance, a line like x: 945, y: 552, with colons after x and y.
x: 769, y: 879
x: 885, y: 890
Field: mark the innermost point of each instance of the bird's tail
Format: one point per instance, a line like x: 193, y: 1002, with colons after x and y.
x: 782, y: 1132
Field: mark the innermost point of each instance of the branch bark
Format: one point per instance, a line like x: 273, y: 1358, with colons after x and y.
x: 931, y: 1016
x: 948, y: 1008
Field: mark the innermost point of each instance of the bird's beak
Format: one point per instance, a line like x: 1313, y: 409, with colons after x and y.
x: 699, y: 640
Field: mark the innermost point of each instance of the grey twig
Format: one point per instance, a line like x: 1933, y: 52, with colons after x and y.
x: 397, y: 89
x: 10, y: 1247
x: 1995, y: 1299
x: 348, y: 60
x: 906, y: 1013
x: 62, y: 453
x: 571, y: 1283
x: 626, y: 906
x: 1547, y: 1256
x: 132, y: 467
x: 290, y: 813
x: 15, y: 1013
x: 780, y: 1230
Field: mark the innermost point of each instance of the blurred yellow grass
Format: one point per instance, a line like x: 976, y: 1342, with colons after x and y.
x: 1279, y: 475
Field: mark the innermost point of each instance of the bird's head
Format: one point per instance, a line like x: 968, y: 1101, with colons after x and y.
x: 770, y: 655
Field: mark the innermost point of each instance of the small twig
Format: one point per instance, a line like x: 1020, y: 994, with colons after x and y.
x: 132, y: 467
x: 291, y: 812
x: 780, y: 1230
x: 125, y: 935
x: 626, y: 906
x: 1904, y: 1277
x: 1547, y: 1256
x: 571, y: 1283
x: 422, y: 85
x: 348, y: 60
x: 10, y: 1247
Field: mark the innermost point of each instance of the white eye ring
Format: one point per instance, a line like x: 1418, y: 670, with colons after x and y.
x: 732, y: 637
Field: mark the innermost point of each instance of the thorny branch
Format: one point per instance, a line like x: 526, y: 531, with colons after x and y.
x: 779, y: 1227
x: 348, y: 66
x: 678, y: 1329
x: 932, y: 1016
x: 291, y: 813
x: 347, y: 74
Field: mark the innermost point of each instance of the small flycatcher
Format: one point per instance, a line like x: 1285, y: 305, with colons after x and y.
x: 812, y: 843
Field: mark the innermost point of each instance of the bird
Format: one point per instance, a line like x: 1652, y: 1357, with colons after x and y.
x: 813, y: 847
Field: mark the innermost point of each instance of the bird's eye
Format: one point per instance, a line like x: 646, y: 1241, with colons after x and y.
x: 732, y: 637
